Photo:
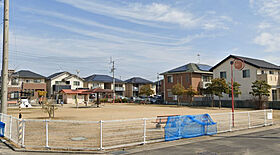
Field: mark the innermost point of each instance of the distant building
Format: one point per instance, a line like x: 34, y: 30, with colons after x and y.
x: 192, y: 74
x: 63, y: 80
x: 105, y: 82
x: 26, y: 82
x: 133, y: 86
x: 254, y: 69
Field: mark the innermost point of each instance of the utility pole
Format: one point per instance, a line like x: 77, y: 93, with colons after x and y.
x: 158, y: 83
x: 4, y: 87
x: 114, y: 80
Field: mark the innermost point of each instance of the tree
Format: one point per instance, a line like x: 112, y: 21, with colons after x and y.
x: 146, y: 90
x: 49, y: 107
x: 259, y: 89
x: 217, y: 87
x: 236, y: 88
x: 178, y: 90
x: 210, y: 92
x: 191, y: 92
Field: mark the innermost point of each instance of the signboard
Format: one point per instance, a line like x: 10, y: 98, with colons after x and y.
x: 269, y: 115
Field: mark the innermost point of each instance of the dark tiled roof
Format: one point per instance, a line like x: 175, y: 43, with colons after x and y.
x: 138, y: 80
x: 191, y: 67
x: 254, y: 62
x: 27, y: 74
x: 54, y: 75
x: 102, y: 78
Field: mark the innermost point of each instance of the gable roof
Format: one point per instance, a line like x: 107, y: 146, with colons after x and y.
x: 27, y: 74
x: 191, y: 67
x: 56, y: 74
x: 138, y: 80
x: 102, y: 78
x: 251, y: 61
x: 73, y: 75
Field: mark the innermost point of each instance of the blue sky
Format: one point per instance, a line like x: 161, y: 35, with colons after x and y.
x: 144, y: 37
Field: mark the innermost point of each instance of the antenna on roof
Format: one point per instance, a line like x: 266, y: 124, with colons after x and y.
x: 198, y: 58
x: 78, y: 72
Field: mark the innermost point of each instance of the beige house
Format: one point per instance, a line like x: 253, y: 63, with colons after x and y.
x: 133, y: 86
x: 63, y: 80
x: 253, y: 70
x: 105, y: 82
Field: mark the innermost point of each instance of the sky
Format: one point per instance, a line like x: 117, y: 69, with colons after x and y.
x: 143, y: 37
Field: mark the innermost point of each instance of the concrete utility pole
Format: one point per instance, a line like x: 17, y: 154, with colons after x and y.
x: 158, y: 84
x: 114, y: 80
x: 4, y: 87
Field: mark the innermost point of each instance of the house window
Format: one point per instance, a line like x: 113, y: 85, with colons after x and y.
x: 37, y: 80
x: 170, y: 79
x: 169, y: 93
x: 223, y: 75
x: 76, y: 83
x: 27, y: 81
x: 187, y: 78
x: 206, y: 78
x: 67, y: 82
x: 246, y: 73
x: 263, y: 72
x: 271, y: 72
x: 274, y: 95
x: 14, y: 81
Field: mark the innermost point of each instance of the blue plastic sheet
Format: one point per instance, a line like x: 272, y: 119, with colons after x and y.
x: 2, y: 129
x: 189, y: 126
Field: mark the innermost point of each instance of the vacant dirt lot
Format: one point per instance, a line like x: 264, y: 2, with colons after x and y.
x: 115, y: 111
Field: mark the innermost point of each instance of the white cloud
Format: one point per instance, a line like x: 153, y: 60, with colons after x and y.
x: 270, y: 41
x: 268, y: 8
x: 153, y: 14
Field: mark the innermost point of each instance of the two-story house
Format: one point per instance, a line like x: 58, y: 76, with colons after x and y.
x: 26, y: 82
x: 63, y: 80
x: 253, y: 70
x: 105, y: 82
x: 133, y: 85
x: 192, y: 74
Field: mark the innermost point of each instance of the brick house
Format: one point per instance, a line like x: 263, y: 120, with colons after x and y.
x: 195, y: 75
x: 27, y: 82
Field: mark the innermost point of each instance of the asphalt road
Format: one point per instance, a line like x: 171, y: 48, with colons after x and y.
x: 259, y: 143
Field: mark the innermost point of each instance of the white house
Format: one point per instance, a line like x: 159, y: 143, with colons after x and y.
x: 253, y: 70
x: 63, y: 80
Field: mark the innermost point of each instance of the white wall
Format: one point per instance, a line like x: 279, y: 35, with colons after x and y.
x: 245, y: 83
x: 72, y: 79
x: 59, y: 78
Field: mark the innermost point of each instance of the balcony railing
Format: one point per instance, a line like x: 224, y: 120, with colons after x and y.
x: 119, y: 88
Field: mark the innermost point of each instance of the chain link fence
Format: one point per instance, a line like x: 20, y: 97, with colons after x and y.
x: 99, y: 135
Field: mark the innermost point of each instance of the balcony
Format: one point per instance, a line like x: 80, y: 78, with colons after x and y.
x: 203, y: 84
x: 119, y: 89
x: 135, y: 89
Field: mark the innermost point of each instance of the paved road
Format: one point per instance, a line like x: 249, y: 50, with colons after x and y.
x: 259, y: 143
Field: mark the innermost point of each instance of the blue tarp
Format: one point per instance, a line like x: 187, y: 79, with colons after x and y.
x: 188, y: 126
x: 2, y: 129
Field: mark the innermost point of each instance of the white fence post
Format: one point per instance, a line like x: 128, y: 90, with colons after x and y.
x: 230, y: 121
x: 264, y: 117
x: 101, y: 135
x: 11, y: 123
x: 23, y: 133
x: 47, y: 134
x: 249, y: 120
x: 145, y: 120
x: 272, y: 116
